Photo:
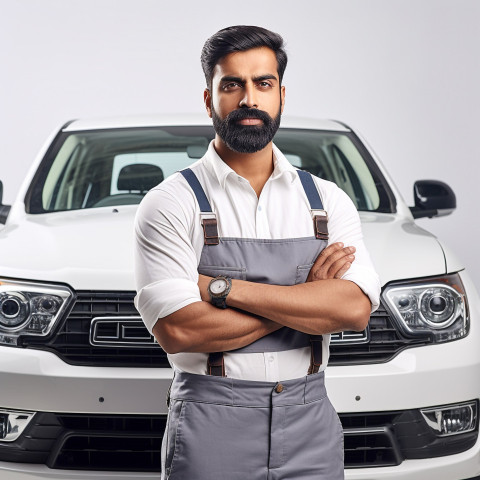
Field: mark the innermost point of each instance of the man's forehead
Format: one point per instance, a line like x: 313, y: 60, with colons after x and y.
x: 256, y: 62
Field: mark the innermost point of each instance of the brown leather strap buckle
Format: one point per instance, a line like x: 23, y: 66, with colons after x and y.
x: 320, y: 225
x: 216, y: 365
x: 316, y: 354
x: 210, y: 231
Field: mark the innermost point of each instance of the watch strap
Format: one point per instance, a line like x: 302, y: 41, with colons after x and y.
x: 219, y: 302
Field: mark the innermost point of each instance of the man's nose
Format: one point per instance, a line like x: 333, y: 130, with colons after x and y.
x: 249, y: 98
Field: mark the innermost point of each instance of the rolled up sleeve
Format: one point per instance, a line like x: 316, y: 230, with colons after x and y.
x: 165, y: 260
x: 367, y: 280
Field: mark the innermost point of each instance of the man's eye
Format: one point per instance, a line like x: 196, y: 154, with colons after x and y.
x: 231, y: 85
x: 264, y: 84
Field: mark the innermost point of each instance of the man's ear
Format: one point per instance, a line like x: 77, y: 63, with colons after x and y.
x: 282, y: 97
x: 207, y: 99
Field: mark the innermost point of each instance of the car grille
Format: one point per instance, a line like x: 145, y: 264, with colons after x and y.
x: 72, y: 340
x: 383, y: 342
x: 133, y: 442
x: 123, y: 341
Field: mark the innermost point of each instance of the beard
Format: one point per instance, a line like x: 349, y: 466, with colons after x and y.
x: 246, y: 138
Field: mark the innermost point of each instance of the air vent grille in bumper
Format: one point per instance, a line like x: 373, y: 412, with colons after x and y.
x: 109, y: 443
x: 133, y: 442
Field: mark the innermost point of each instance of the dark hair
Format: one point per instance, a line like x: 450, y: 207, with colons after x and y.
x: 238, y: 39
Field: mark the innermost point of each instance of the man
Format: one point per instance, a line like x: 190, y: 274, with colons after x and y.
x: 240, y: 289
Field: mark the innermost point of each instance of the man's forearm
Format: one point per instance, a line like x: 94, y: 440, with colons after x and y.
x: 322, y: 305
x: 201, y: 327
x: 316, y: 308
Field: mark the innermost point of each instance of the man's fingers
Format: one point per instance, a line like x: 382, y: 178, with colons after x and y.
x: 331, y: 249
x: 330, y: 261
x: 341, y: 269
x: 335, y: 255
x: 327, y: 252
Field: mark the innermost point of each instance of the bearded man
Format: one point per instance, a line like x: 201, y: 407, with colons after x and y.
x: 243, y: 290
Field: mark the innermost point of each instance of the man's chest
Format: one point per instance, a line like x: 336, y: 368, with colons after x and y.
x: 281, y: 211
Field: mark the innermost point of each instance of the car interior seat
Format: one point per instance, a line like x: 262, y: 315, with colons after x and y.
x: 137, y: 179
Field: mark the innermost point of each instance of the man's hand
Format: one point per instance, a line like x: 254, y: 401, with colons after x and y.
x: 332, y: 262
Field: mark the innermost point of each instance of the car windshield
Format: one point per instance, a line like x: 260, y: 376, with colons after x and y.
x: 101, y: 168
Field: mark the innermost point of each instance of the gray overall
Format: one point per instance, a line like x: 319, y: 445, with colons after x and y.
x: 221, y: 428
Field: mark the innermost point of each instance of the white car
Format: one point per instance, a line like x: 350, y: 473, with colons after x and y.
x: 83, y: 383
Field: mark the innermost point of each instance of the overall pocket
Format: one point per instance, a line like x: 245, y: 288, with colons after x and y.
x: 238, y: 273
x: 220, y: 442
x: 175, y: 413
x: 302, y: 273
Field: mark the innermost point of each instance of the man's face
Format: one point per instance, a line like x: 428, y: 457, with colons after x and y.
x: 246, y: 99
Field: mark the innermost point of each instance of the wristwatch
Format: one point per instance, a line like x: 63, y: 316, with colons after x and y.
x: 218, y: 289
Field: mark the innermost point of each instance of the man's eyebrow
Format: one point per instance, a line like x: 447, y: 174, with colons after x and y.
x: 268, y: 76
x: 260, y: 78
x: 230, y: 78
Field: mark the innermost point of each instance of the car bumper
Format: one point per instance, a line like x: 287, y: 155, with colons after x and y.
x: 21, y: 471
x: 454, y: 467
x: 37, y: 380
x: 422, y: 377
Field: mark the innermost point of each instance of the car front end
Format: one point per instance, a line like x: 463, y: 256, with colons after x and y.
x: 83, y: 384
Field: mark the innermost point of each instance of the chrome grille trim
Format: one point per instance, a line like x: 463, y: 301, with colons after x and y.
x: 120, y: 332
x: 350, y: 338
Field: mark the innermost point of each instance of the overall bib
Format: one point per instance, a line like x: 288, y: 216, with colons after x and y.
x: 221, y: 428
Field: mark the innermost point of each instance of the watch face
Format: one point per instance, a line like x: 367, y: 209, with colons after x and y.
x: 218, y: 286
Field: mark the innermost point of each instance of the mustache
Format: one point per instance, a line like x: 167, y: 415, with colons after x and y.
x: 242, y: 113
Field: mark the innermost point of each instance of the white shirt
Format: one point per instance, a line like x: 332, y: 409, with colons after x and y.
x: 169, y: 243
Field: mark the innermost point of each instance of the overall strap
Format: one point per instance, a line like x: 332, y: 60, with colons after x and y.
x: 215, y: 363
x: 208, y: 217
x: 319, y: 215
x: 316, y: 353
x: 320, y: 224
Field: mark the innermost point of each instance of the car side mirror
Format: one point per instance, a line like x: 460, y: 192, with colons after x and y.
x: 432, y: 199
x: 4, y: 209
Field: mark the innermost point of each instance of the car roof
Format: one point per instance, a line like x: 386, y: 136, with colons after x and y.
x: 188, y: 120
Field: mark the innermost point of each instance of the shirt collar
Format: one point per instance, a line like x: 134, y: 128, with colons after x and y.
x: 221, y: 171
x: 281, y: 166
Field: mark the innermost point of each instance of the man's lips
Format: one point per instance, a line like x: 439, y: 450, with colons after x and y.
x: 250, y: 121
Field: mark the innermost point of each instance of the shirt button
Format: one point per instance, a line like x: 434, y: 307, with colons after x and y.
x: 279, y: 388
x: 271, y: 359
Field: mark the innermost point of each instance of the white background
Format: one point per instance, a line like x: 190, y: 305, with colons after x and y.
x: 405, y: 73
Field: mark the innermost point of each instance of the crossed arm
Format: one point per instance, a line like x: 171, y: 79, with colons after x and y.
x: 324, y: 304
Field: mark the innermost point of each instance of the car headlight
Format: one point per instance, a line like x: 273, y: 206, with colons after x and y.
x: 434, y: 307
x: 30, y: 308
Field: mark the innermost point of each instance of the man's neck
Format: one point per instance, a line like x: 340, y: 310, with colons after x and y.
x: 255, y: 167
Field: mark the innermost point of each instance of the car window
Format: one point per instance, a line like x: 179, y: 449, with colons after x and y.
x: 334, y: 157
x: 100, y: 168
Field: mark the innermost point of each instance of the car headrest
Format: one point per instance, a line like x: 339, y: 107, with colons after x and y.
x: 141, y: 176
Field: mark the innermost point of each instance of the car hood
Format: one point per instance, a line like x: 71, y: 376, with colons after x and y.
x: 401, y: 250
x: 93, y: 249
x: 86, y: 249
